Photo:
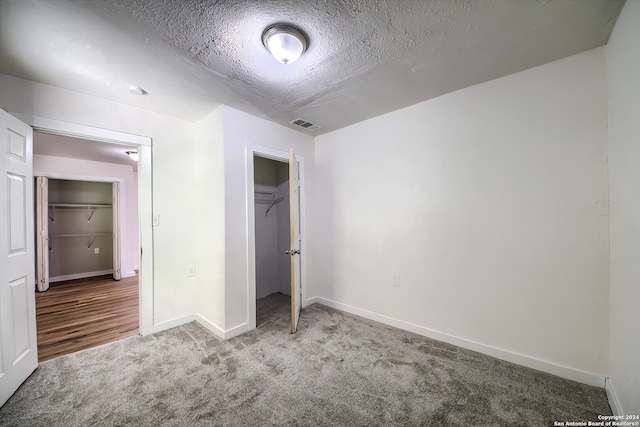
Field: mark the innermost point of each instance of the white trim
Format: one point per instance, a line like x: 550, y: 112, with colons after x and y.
x: 173, y: 323
x: 215, y: 329
x: 612, y: 397
x: 76, y: 177
x: 126, y: 274
x: 312, y: 301
x: 234, y: 332
x: 145, y: 197
x: 567, y: 372
x: 80, y: 275
x: 58, y: 127
x: 280, y: 156
x: 209, y: 325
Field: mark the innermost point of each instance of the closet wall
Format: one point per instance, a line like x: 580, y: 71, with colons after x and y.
x: 80, y: 229
x: 272, y: 227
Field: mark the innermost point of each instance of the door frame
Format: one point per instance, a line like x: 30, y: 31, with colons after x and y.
x: 145, y: 196
x: 279, y: 156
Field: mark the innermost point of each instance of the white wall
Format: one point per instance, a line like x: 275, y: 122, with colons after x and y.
x: 623, y: 87
x: 489, y: 205
x: 241, y: 129
x: 208, y: 218
x: 178, y: 182
x: 84, y: 169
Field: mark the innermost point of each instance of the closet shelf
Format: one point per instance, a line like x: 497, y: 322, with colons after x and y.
x: 91, y: 208
x: 81, y: 234
x: 80, y: 205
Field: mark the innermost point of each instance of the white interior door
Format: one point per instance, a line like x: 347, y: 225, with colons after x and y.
x: 294, y: 224
x: 42, y: 233
x: 115, y: 207
x: 18, y: 347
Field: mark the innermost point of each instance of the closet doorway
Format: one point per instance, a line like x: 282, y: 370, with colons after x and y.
x: 272, y: 236
x: 87, y: 255
x: 268, y: 255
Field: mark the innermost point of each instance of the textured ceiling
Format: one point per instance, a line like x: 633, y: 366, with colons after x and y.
x: 365, y: 57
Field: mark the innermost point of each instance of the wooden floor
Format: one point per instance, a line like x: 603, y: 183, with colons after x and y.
x: 85, y: 313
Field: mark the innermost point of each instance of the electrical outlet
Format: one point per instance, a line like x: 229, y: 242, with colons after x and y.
x: 96, y: 251
x: 395, y: 280
x: 191, y: 270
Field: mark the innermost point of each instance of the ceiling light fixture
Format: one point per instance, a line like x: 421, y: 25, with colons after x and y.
x: 285, y: 42
x: 132, y: 154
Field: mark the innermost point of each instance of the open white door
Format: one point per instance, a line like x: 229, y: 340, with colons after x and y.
x: 115, y: 207
x: 294, y: 224
x: 18, y: 347
x: 42, y: 233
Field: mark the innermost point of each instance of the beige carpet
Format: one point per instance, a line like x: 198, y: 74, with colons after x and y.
x: 337, y: 370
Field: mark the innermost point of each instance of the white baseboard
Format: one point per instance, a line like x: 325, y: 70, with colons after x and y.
x: 183, y: 320
x: 128, y: 274
x: 210, y: 325
x: 519, y: 359
x: 79, y: 276
x: 614, y: 402
x: 235, y: 331
x: 225, y: 335
x: 172, y: 323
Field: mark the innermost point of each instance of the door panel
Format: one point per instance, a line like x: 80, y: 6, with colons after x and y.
x: 18, y: 347
x: 20, y: 298
x: 42, y: 233
x: 16, y: 205
x: 294, y: 224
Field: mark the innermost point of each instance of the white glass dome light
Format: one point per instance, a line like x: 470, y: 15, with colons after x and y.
x: 286, y: 43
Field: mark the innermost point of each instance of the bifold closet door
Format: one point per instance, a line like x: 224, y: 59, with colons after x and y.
x: 42, y: 233
x: 116, y: 230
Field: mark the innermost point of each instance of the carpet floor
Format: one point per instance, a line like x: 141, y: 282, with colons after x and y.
x: 338, y: 370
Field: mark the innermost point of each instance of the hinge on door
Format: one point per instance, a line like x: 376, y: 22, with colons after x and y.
x: 300, y: 237
x: 299, y: 183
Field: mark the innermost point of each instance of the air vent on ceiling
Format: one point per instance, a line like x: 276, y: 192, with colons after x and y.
x: 305, y: 124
